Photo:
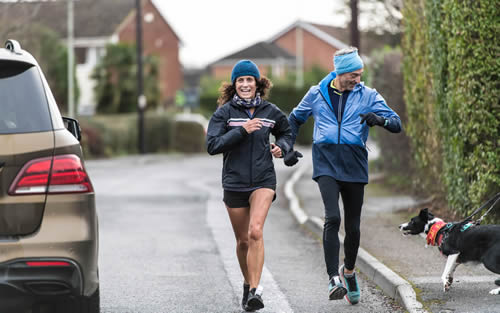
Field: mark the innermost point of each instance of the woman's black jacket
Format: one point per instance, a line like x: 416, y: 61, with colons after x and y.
x: 248, y: 160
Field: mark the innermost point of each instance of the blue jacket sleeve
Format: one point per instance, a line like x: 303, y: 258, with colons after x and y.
x: 380, y: 107
x: 300, y: 114
x: 219, y: 139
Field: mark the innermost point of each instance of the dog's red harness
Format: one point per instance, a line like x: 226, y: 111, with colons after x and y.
x: 431, y: 235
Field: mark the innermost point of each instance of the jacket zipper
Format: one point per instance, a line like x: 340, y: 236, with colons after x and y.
x: 340, y: 110
x: 340, y: 116
x: 251, y: 149
x: 251, y: 163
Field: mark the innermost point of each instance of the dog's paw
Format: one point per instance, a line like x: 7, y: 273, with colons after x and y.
x: 495, y: 291
x: 447, y: 283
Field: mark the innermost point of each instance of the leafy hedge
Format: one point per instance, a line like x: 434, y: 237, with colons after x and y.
x: 111, y: 135
x: 451, y: 71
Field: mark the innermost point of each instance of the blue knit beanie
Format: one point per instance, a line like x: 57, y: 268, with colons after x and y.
x: 347, y: 63
x: 245, y: 68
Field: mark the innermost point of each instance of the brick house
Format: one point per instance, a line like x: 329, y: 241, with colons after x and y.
x: 316, y: 45
x: 101, y: 22
x: 319, y: 42
x: 159, y: 39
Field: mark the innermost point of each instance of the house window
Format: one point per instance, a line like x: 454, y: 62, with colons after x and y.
x: 81, y: 55
x: 149, y: 17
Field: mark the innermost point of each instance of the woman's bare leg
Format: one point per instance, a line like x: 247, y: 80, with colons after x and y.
x: 240, y: 219
x: 260, y: 202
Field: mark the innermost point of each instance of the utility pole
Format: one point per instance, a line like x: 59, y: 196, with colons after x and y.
x: 299, y: 56
x: 71, y: 58
x: 355, y: 41
x: 141, y: 99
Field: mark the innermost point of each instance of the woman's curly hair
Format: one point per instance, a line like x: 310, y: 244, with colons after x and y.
x: 228, y: 90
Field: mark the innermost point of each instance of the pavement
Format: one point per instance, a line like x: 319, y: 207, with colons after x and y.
x: 400, y: 265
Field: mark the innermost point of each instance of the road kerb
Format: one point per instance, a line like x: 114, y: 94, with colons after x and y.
x: 390, y: 282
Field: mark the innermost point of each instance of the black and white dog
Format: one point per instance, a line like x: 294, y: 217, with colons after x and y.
x: 460, y: 242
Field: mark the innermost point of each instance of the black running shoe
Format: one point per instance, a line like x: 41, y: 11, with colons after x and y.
x: 244, y: 300
x: 255, y: 301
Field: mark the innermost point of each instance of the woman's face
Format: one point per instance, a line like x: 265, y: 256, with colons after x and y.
x: 246, y: 86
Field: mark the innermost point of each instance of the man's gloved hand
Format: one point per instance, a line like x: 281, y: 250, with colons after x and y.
x: 372, y: 119
x: 292, y: 157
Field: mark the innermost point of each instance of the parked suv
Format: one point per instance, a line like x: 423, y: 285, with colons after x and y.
x: 48, y: 221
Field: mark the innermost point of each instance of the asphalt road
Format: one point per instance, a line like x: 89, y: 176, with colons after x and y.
x: 166, y: 244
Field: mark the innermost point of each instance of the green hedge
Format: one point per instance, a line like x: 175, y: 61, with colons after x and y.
x: 189, y: 137
x: 108, y: 135
x: 287, y: 97
x: 111, y: 135
x: 451, y: 88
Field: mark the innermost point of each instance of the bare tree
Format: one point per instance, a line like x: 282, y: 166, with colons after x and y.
x: 379, y: 15
x: 23, y: 12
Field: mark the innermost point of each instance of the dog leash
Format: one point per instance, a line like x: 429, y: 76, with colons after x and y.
x: 493, y: 199
x: 492, y: 206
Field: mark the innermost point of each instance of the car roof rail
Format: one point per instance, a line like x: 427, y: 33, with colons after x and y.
x: 13, y: 46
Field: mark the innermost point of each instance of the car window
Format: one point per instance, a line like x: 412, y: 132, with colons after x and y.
x: 23, y: 104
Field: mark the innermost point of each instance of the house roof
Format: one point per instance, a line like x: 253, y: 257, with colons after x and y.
x: 259, y: 51
x: 92, y: 18
x: 313, y: 29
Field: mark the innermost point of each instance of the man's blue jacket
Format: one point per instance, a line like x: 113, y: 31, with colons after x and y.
x: 339, y: 148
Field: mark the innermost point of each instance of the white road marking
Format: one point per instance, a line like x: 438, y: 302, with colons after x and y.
x: 297, y: 211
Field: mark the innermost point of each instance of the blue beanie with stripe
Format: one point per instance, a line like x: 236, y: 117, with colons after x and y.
x: 245, y: 68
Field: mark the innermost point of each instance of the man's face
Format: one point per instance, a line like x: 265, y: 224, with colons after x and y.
x: 347, y: 81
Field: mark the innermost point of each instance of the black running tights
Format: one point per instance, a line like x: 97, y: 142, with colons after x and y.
x: 352, y: 198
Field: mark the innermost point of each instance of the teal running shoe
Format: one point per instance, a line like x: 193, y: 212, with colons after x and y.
x: 336, y: 290
x: 351, y: 284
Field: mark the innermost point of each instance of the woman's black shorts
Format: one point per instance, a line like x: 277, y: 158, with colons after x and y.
x: 240, y: 199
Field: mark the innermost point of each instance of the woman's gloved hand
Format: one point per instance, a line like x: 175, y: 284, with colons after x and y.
x: 292, y: 158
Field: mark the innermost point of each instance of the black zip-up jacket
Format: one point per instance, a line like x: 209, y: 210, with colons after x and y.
x: 248, y: 161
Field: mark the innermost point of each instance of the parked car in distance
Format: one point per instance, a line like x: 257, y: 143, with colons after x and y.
x: 48, y: 220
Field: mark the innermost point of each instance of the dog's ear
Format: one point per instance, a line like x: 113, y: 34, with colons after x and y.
x: 426, y: 215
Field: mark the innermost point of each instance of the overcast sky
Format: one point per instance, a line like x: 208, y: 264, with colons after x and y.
x: 213, y: 29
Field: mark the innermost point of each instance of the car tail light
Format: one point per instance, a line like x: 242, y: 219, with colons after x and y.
x: 60, y: 174
x: 47, y: 263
